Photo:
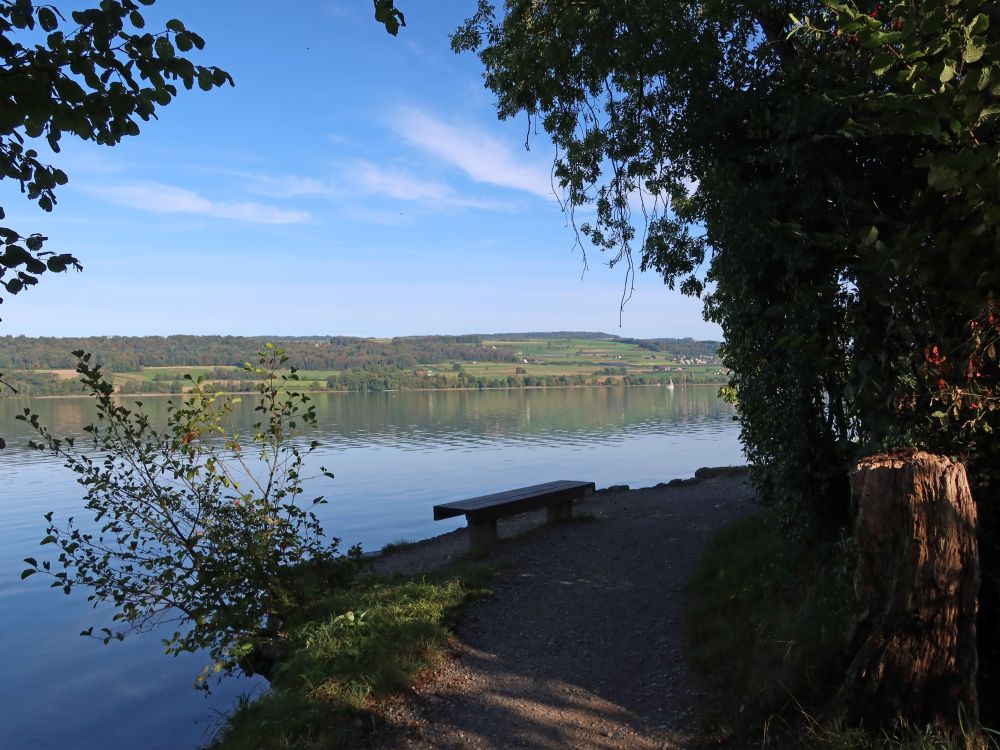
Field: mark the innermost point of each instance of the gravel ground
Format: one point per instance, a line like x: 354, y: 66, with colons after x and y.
x: 582, y: 644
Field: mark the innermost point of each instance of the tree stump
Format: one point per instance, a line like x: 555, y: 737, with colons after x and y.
x: 917, y: 584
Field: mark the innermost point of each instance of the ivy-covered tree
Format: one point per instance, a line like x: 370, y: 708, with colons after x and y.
x: 675, y: 121
x: 826, y: 174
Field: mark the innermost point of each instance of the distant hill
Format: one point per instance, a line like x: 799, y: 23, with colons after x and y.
x: 147, y: 364
x: 551, y: 335
x: 130, y: 353
x: 685, y: 347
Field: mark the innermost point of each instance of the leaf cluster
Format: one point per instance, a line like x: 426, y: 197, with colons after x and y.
x: 192, y: 526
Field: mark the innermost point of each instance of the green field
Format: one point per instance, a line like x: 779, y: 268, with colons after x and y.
x: 581, y: 357
x: 489, y: 362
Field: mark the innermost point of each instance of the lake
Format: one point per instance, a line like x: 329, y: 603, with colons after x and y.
x: 394, y: 455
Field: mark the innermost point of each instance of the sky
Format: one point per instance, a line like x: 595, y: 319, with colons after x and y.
x: 351, y: 183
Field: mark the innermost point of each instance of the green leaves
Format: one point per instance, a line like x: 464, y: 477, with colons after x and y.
x: 47, y: 19
x: 389, y: 16
x: 941, y: 177
x: 949, y: 69
x: 869, y: 235
x: 973, y: 52
x: 164, y: 49
x: 190, y: 522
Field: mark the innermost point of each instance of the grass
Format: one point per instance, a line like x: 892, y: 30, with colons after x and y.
x: 396, y: 545
x: 354, y: 648
x: 837, y: 737
x: 768, y: 622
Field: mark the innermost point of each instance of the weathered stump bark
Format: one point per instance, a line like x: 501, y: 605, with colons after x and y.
x: 917, y: 583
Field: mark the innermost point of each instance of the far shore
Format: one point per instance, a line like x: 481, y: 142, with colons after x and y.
x: 388, y: 390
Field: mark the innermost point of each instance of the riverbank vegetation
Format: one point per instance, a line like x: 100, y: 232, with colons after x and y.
x: 44, y: 366
x: 194, y: 526
x: 198, y: 528
x: 348, y: 650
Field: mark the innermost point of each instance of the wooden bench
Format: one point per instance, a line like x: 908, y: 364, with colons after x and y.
x: 481, y: 513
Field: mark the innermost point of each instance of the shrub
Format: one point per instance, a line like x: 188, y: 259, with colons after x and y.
x: 193, y: 524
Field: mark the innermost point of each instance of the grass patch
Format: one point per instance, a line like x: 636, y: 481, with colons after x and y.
x: 352, y: 648
x: 768, y: 622
x: 836, y: 737
x: 397, y: 545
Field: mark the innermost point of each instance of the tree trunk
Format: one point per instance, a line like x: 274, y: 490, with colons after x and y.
x: 917, y: 582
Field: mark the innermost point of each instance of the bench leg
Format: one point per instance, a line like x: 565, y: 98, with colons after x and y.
x: 482, y: 535
x: 559, y: 512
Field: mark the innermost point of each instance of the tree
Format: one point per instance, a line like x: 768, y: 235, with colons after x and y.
x: 193, y: 524
x: 825, y: 173
x: 636, y: 97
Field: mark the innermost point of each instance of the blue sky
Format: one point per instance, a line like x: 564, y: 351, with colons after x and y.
x: 351, y: 183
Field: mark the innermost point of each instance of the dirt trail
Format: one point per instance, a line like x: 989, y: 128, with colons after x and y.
x: 583, y: 644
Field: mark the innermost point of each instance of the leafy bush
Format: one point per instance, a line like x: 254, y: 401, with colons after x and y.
x: 193, y: 524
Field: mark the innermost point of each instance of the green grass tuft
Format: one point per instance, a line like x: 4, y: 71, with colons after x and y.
x: 397, y: 545
x: 767, y: 619
x: 358, y: 645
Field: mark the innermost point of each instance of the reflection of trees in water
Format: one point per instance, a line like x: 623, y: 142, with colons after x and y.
x: 356, y: 419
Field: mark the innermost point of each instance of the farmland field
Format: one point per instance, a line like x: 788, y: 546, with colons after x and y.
x: 501, y: 361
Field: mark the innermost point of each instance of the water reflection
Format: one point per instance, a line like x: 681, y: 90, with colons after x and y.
x: 431, y: 419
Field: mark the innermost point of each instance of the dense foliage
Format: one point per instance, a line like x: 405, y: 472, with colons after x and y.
x: 827, y: 174
x: 838, y: 171
x: 193, y: 526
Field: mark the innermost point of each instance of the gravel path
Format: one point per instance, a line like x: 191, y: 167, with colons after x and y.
x: 582, y: 645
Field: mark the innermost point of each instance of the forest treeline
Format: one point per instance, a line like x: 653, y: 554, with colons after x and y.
x: 131, y: 353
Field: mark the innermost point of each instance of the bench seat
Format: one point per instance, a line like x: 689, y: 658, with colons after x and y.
x: 481, y: 513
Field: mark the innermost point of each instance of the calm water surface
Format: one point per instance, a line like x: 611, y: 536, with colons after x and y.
x: 394, y: 455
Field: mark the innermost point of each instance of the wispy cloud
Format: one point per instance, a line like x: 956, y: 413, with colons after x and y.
x: 400, y: 185
x: 481, y: 156
x: 284, y: 186
x: 168, y: 199
x: 360, y: 177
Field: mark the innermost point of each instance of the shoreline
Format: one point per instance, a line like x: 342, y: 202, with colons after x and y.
x: 431, y: 553
x: 160, y: 394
